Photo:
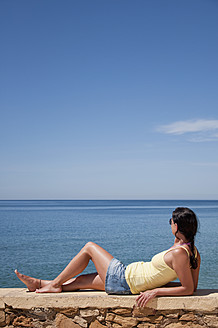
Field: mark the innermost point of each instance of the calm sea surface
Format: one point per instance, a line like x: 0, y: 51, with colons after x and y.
x: 39, y: 238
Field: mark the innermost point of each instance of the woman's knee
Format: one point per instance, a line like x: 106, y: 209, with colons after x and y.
x: 90, y: 244
x: 89, y: 247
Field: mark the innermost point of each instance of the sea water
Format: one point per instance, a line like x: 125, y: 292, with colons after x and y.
x: 39, y: 238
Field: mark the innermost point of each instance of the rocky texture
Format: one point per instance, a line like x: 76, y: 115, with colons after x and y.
x: 88, y: 309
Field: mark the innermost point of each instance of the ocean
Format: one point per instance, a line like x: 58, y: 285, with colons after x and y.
x: 40, y: 237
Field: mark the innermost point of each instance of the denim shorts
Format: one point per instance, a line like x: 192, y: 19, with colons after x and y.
x: 115, y: 282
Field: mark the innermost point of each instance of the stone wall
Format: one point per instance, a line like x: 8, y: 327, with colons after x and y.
x: 19, y: 308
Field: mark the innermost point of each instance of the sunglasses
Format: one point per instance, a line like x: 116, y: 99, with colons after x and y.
x: 170, y: 221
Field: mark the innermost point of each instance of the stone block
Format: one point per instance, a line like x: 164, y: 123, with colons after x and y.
x: 100, y: 318
x: 8, y: 310
x: 22, y: 321
x: 115, y: 325
x: 145, y: 319
x: 8, y: 319
x: 176, y: 325
x: 188, y: 317
x: 127, y: 322
x: 110, y: 317
x: 39, y: 324
x: 38, y: 314
x: 81, y: 322
x: 103, y: 312
x: 62, y: 321
x: 151, y: 319
x: 2, y: 319
x: 146, y: 325
x: 173, y: 315
x: 70, y: 312
x: 184, y: 325
x: 211, y: 321
x: 89, y: 314
x: 142, y: 312
x: 96, y: 324
x: 122, y: 311
x: 158, y: 318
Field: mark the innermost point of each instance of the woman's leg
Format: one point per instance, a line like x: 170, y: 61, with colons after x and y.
x: 31, y: 283
x: 91, y: 251
x: 86, y: 281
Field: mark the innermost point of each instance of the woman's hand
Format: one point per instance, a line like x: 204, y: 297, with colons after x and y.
x: 145, y: 297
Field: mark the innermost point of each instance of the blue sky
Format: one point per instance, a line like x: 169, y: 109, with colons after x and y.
x: 109, y: 99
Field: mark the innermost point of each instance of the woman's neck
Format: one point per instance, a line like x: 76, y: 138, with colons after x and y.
x: 181, y: 241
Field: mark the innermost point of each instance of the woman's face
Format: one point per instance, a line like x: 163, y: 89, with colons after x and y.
x: 174, y: 226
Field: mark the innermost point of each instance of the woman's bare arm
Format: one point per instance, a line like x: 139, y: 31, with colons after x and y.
x: 181, y: 265
x: 195, y: 276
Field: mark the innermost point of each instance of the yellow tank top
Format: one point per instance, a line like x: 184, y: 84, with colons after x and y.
x: 142, y: 276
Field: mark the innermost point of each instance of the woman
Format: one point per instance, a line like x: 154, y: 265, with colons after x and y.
x: 148, y: 279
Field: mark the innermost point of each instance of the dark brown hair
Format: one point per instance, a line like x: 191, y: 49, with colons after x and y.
x: 187, y: 223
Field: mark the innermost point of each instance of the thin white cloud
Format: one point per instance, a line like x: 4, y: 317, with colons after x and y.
x: 198, y: 130
x: 181, y: 127
x: 203, y: 138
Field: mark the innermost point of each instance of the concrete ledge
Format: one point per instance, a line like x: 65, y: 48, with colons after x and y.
x: 94, y: 309
x: 19, y: 298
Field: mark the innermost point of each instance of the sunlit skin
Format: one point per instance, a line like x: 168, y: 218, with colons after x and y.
x: 177, y: 259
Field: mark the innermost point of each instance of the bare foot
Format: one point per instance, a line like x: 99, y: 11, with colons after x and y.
x: 50, y: 288
x: 31, y: 283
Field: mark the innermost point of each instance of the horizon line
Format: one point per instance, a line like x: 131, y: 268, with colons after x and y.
x: 110, y: 199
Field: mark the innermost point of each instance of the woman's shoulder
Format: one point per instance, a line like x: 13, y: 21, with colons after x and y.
x: 179, y: 249
x: 182, y: 250
x: 185, y: 252
x: 179, y: 255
